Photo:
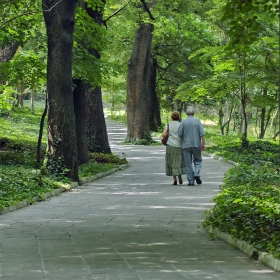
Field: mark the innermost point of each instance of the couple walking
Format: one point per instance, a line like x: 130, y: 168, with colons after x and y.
x: 184, y: 146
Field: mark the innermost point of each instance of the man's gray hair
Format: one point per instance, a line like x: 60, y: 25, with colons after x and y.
x: 190, y: 110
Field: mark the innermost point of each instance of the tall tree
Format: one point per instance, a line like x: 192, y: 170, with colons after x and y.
x: 137, y: 84
x: 138, y: 79
x: 96, y: 126
x: 91, y: 121
x: 79, y: 99
x: 154, y: 108
x: 62, y: 139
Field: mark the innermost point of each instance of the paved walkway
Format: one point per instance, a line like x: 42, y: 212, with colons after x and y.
x: 133, y: 224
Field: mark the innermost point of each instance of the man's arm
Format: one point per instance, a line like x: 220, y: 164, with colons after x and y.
x: 202, y: 142
x: 180, y: 131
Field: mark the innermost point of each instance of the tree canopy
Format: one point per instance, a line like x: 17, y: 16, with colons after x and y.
x: 213, y: 53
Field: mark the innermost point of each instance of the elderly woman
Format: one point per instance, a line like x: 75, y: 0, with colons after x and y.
x: 174, y: 162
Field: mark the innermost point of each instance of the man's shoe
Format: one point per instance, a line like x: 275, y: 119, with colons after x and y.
x: 190, y: 184
x: 197, y: 179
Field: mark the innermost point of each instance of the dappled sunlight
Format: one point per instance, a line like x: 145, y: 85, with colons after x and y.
x: 117, y: 139
x: 137, y: 175
x: 176, y: 261
x: 262, y: 271
x: 220, y: 177
x: 118, y: 134
x: 186, y: 197
x: 211, y: 181
x: 142, y: 158
x: 161, y: 153
x: 176, y: 207
x: 135, y: 193
x: 131, y: 224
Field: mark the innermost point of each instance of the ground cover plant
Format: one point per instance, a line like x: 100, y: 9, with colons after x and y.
x: 248, y: 206
x: 21, y: 177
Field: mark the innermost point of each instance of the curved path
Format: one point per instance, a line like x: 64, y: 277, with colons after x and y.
x: 133, y: 224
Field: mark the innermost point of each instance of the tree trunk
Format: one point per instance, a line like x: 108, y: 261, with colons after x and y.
x: 80, y: 102
x: 154, y: 110
x: 276, y: 134
x: 32, y: 101
x: 265, y: 118
x: 265, y: 121
x: 6, y: 54
x: 96, y: 126
x: 20, y: 96
x: 273, y: 118
x: 244, y: 98
x: 97, y: 136
x: 41, y: 131
x: 244, y: 124
x: 137, y: 102
x: 230, y: 117
x: 62, y: 139
x: 257, y: 122
x: 221, y: 117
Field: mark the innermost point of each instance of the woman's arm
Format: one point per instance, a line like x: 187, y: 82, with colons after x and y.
x: 164, y: 133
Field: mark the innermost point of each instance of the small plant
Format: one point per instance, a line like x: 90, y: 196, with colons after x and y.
x: 56, y: 167
x: 99, y: 162
x: 107, y: 158
x: 147, y: 140
x: 55, y: 164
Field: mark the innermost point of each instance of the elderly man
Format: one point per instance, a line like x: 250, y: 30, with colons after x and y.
x: 192, y: 133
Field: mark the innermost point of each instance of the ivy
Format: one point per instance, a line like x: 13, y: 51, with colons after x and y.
x: 248, y: 205
x: 19, y: 183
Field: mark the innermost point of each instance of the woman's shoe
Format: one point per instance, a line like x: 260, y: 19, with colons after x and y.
x: 175, y: 183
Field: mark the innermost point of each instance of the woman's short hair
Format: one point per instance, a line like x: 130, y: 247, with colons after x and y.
x: 175, y: 116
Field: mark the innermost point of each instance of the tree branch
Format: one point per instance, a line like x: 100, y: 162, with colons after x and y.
x: 146, y: 8
x: 116, y: 12
x: 29, y: 13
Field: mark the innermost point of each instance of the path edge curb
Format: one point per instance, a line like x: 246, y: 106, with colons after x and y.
x: 242, y: 245
x: 247, y: 248
x: 64, y: 188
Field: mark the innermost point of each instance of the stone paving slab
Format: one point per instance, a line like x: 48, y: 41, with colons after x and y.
x: 132, y: 224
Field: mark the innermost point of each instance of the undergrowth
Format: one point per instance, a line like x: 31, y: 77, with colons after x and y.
x: 248, y: 206
x: 21, y: 177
